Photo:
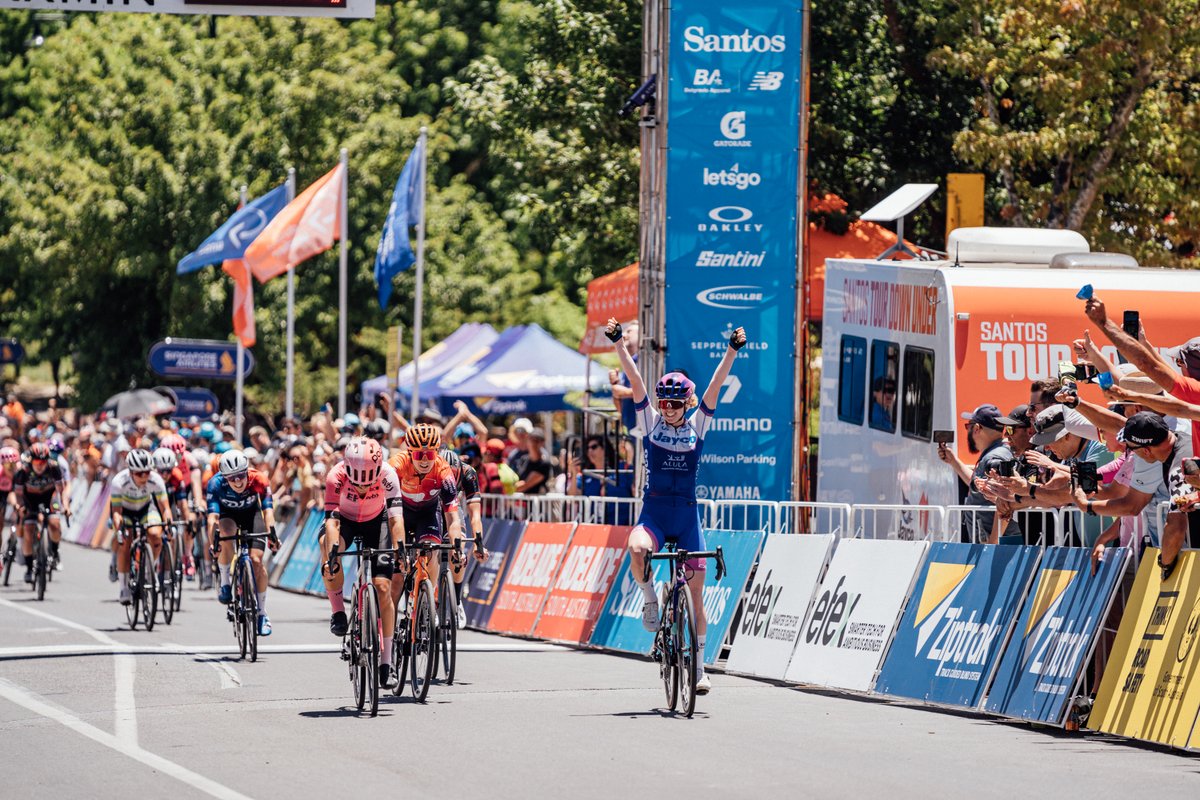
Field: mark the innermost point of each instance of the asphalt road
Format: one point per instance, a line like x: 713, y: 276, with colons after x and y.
x: 89, y: 708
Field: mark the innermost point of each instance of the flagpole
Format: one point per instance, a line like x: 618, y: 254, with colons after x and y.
x: 343, y: 253
x: 241, y: 354
x: 419, y: 311
x: 289, y: 403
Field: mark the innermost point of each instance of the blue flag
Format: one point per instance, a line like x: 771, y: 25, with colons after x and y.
x: 395, y: 253
x: 231, y: 239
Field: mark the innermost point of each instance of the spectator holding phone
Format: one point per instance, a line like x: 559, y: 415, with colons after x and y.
x: 603, y: 476
x: 985, y: 438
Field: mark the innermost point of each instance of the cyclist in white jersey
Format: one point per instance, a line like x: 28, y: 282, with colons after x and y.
x: 138, y: 492
x: 673, y: 442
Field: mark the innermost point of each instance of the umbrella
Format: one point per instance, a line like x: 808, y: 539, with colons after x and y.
x: 137, y: 402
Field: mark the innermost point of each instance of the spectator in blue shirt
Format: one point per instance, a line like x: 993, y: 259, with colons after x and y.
x: 883, y: 403
x: 604, y: 476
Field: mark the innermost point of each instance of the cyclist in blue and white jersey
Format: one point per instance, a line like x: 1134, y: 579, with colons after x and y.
x: 673, y: 441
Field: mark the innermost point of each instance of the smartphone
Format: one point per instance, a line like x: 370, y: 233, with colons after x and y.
x: 1132, y: 324
x: 1083, y: 475
x: 1191, y: 466
x: 1086, y: 372
x: 1006, y: 469
x: 943, y: 437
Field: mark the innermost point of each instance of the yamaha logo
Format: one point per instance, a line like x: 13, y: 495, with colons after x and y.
x: 735, y: 297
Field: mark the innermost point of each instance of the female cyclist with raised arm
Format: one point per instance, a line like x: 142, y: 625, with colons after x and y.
x: 673, y: 441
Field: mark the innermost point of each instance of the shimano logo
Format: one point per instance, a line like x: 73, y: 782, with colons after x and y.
x: 730, y: 219
x: 732, y: 177
x: 737, y: 297
x: 696, y: 40
x: 741, y: 424
x: 742, y: 258
x: 733, y: 128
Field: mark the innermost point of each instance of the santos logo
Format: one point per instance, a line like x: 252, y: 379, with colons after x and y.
x: 733, y: 128
x: 730, y: 219
x: 732, y: 177
x: 695, y: 40
x: 738, y: 297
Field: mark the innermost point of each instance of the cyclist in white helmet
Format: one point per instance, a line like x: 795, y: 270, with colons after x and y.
x: 137, y: 493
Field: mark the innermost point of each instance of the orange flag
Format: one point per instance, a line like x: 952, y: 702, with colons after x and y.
x: 308, y: 225
x: 243, y: 300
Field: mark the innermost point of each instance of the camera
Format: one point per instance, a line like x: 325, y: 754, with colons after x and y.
x: 1191, y: 466
x: 1083, y: 475
x: 1006, y: 469
x: 1066, y: 375
x: 943, y: 437
x: 643, y: 95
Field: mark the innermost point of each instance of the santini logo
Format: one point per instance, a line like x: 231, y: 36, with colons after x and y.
x: 730, y: 219
x: 742, y: 258
x: 737, y: 297
x: 695, y: 40
x: 732, y: 177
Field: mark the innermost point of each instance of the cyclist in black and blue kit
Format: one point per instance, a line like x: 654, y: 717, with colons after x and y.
x: 674, y: 441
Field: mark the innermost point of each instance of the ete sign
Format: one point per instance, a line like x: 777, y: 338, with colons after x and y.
x: 198, y: 358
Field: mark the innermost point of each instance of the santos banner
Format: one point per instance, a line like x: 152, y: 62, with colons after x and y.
x: 777, y: 603
x: 846, y: 632
x: 529, y: 578
x: 1151, y: 689
x: 1058, y: 626
x: 484, y: 580
x: 587, y: 573
x: 962, y: 608
x: 731, y: 257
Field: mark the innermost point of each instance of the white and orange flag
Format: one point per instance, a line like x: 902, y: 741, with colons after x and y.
x: 243, y: 300
x: 308, y: 225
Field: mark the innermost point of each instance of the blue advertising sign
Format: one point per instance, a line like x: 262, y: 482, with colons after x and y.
x: 1059, y: 622
x: 620, y: 624
x: 501, y: 537
x: 198, y: 358
x: 731, y: 229
x: 194, y: 403
x: 11, y: 352
x: 305, y: 555
x: 965, y: 602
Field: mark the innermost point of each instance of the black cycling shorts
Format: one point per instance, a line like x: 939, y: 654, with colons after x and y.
x: 372, y: 534
x: 246, y: 520
x: 35, y: 503
x: 423, y: 525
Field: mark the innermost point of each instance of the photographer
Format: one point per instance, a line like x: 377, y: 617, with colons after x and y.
x: 603, y: 476
x: 985, y: 437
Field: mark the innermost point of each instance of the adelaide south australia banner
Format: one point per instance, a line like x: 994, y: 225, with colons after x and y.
x: 733, y: 143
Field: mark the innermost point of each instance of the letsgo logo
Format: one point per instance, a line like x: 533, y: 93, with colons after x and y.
x: 733, y: 128
x: 737, y: 297
x: 697, y: 40
x: 731, y: 177
x: 730, y: 219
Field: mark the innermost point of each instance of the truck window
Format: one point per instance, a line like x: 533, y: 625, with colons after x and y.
x: 885, y: 368
x: 916, y: 398
x: 852, y: 380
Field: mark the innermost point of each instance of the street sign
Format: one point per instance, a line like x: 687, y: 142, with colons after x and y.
x: 341, y: 9
x: 198, y: 358
x: 11, y: 351
x: 194, y: 402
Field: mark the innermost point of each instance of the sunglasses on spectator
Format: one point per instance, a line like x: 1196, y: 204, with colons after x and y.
x: 595, y: 446
x: 424, y: 455
x: 672, y: 404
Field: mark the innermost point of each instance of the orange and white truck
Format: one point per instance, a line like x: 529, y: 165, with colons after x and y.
x: 950, y: 335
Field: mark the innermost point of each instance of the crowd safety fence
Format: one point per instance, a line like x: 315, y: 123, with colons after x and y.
x: 872, y: 599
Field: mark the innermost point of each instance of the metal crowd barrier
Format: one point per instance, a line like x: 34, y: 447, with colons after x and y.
x: 898, y: 521
x: 746, y: 515
x: 798, y: 517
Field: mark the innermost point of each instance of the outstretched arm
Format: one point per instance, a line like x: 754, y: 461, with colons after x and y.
x: 713, y: 393
x: 636, y: 384
x: 1139, y: 353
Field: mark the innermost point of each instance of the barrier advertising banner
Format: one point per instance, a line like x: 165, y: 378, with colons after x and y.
x: 306, y: 552
x: 777, y: 603
x: 855, y: 611
x: 1054, y: 636
x: 964, y: 604
x: 620, y: 624
x: 733, y: 133
x: 91, y: 519
x: 720, y: 599
x: 483, y: 581
x: 528, y: 581
x: 579, y: 589
x: 1150, y: 689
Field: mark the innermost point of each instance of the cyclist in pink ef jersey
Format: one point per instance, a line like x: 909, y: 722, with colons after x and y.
x: 359, y: 492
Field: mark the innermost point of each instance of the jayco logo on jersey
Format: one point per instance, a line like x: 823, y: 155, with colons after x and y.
x: 697, y: 40
x: 733, y: 128
x: 730, y: 219
x: 731, y: 177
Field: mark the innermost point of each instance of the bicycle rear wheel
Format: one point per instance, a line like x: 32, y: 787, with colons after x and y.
x: 370, y: 651
x: 166, y: 583
x: 424, y: 644
x: 149, y: 581
x: 250, y: 610
x: 133, y: 610
x: 666, y: 649
x: 687, y: 653
x: 401, y: 647
x: 447, y: 629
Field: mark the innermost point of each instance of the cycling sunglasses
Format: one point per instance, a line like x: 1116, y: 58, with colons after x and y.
x: 239, y: 476
x: 424, y: 454
x: 672, y: 404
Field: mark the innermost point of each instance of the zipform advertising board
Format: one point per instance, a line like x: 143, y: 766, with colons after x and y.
x: 528, y: 581
x: 777, y: 602
x: 1058, y: 626
x: 579, y: 589
x: 964, y: 604
x: 1151, y: 689
x: 501, y: 536
x: 847, y: 630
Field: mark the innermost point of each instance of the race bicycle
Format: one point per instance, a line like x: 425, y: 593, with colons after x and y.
x: 415, y: 646
x: 143, y: 578
x: 170, y: 570
x: 243, y: 608
x: 10, y: 552
x: 675, y: 647
x: 447, y: 608
x: 362, y: 643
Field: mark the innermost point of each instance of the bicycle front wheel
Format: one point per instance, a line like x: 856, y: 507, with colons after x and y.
x: 42, y: 567
x: 424, y: 641
x: 687, y: 654
x: 249, y: 606
x: 447, y: 629
x: 370, y: 650
x: 166, y: 583
x: 666, y: 652
x: 358, y: 678
x: 133, y: 610
x: 401, y: 647
x: 149, y: 586
x: 10, y: 555
x: 177, y: 556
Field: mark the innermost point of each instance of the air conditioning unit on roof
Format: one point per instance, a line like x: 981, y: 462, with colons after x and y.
x: 1012, y: 245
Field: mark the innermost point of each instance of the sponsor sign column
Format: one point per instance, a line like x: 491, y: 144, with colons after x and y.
x: 733, y: 135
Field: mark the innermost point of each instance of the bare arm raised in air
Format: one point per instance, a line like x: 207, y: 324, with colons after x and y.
x: 712, y: 394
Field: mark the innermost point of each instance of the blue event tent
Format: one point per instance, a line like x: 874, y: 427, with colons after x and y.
x: 469, y: 343
x: 526, y: 370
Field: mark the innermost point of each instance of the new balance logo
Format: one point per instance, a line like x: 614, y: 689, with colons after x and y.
x: 766, y: 81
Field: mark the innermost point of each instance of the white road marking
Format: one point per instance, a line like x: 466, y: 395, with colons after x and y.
x: 124, y: 670
x: 39, y: 705
x: 205, y: 651
x: 229, y: 676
